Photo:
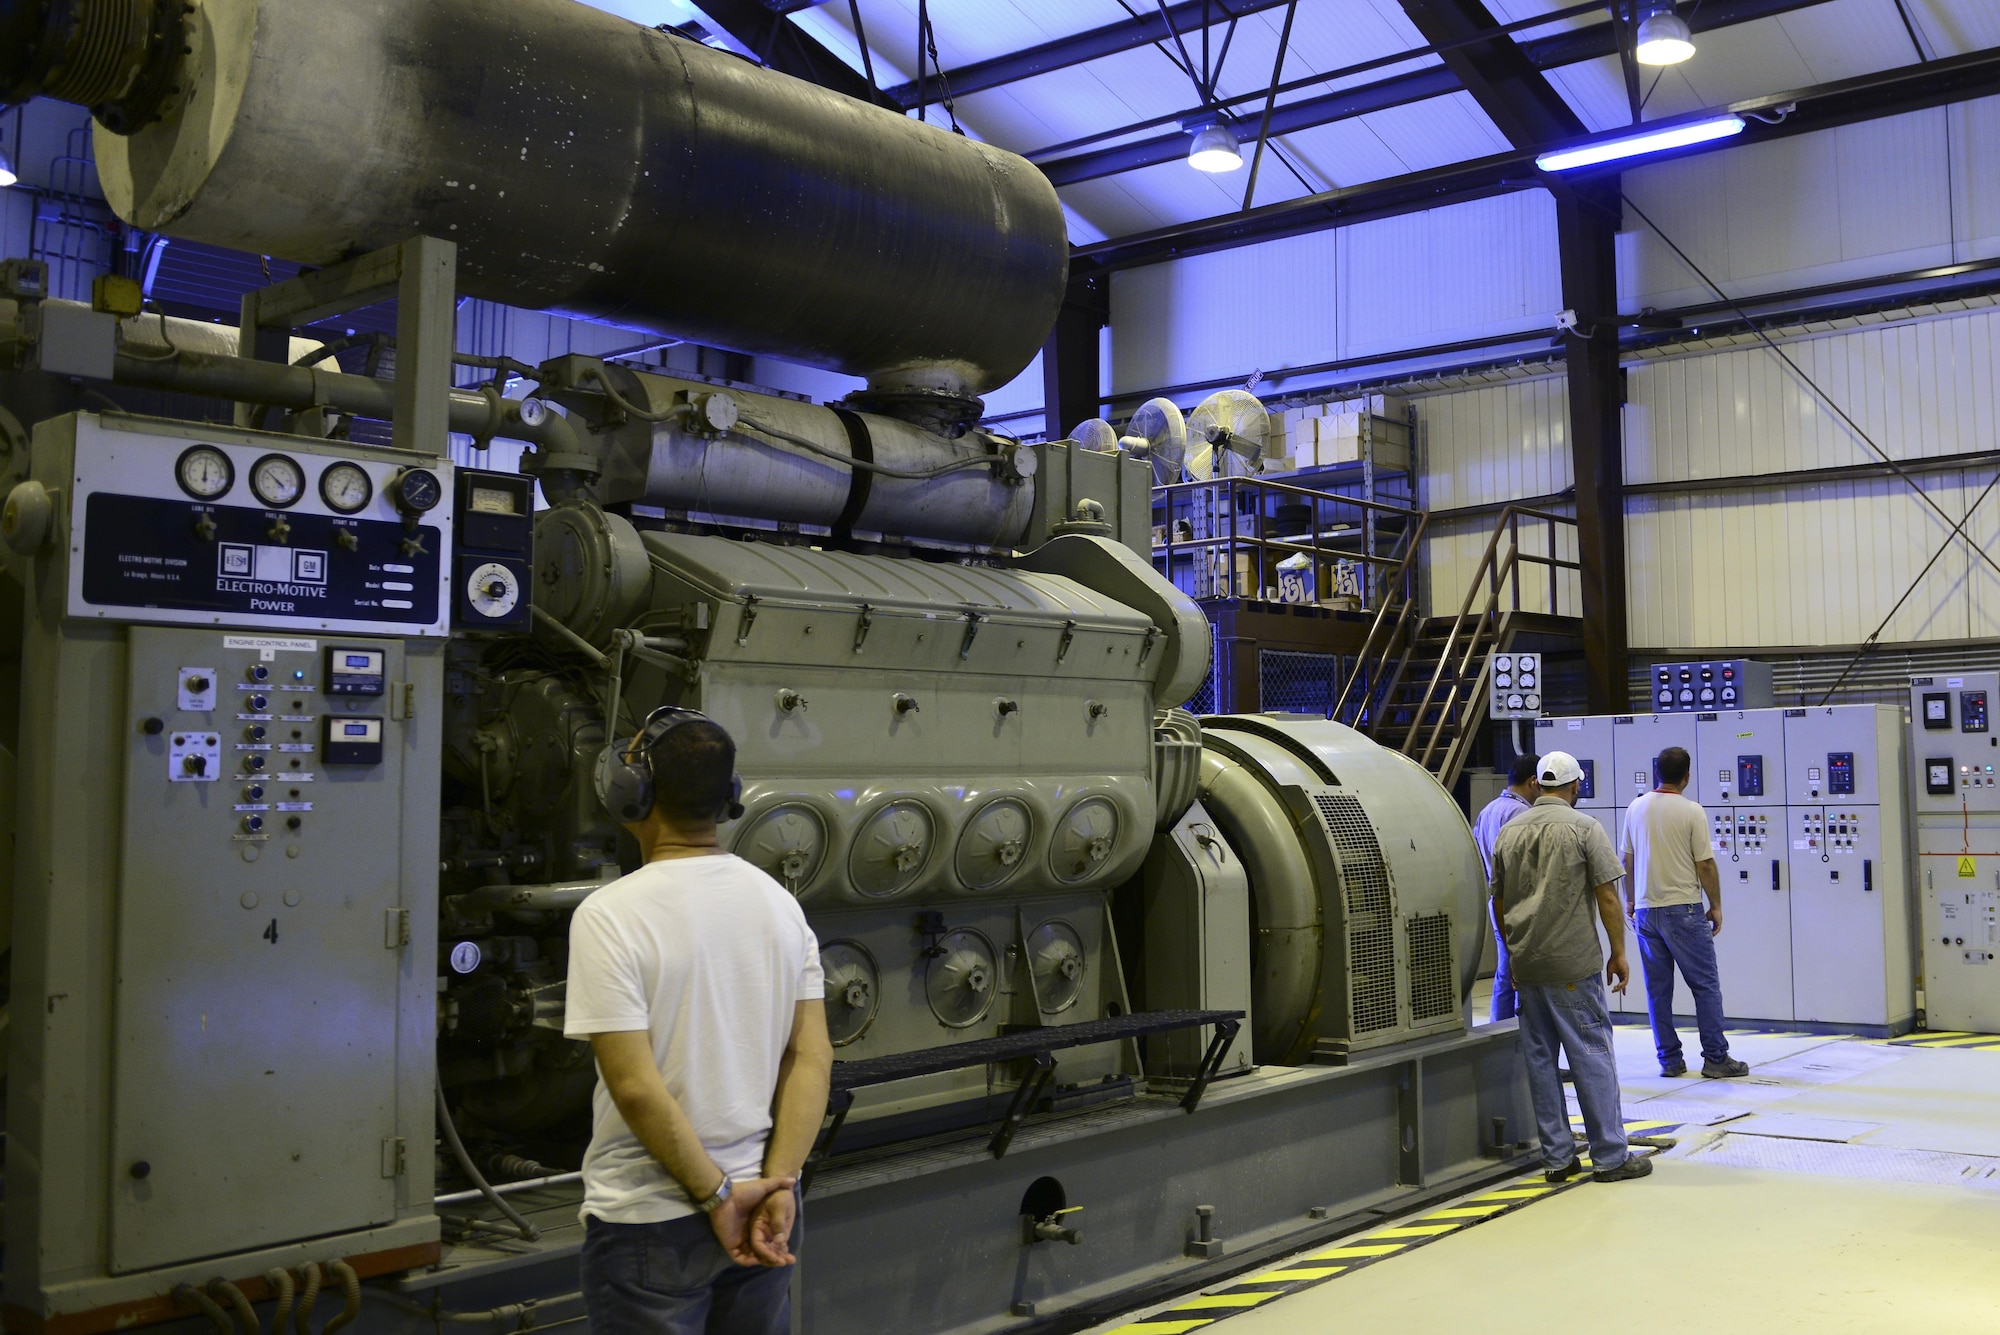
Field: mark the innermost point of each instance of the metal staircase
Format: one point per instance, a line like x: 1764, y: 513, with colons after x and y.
x: 1420, y: 682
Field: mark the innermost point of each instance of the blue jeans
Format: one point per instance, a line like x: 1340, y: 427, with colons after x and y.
x: 1679, y: 935
x: 1573, y: 1018
x: 673, y: 1278
x: 1505, y: 1003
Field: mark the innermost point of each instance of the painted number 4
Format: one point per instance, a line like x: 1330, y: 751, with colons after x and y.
x: 271, y: 932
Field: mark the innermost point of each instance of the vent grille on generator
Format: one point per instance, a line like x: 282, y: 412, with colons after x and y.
x: 1371, y: 919
x: 1433, y: 982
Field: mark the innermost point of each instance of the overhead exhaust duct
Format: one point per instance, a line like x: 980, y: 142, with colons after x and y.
x: 581, y: 163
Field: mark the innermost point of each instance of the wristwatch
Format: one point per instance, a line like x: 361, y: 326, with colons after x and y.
x: 714, y: 1203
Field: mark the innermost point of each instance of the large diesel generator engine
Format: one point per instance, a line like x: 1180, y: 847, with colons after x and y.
x: 307, y: 730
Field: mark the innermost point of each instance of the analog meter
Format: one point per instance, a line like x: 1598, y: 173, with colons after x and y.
x: 346, y: 488
x: 278, y: 481
x: 204, y: 472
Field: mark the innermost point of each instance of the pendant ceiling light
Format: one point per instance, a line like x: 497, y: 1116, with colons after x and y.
x: 1214, y: 150
x: 1664, y: 38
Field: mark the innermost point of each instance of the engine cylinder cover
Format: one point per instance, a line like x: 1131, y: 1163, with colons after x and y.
x: 962, y: 979
x: 787, y: 843
x: 1084, y: 839
x: 892, y: 849
x: 853, y: 990
x: 990, y: 851
x: 1055, y: 952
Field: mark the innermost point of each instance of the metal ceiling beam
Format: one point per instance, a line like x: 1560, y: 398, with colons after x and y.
x: 784, y: 46
x: 1109, y: 40
x: 1825, y: 106
x: 1503, y: 80
x: 1549, y: 53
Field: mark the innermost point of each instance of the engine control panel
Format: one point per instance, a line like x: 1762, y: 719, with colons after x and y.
x: 212, y: 527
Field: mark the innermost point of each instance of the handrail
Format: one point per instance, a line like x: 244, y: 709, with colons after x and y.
x: 1485, y: 623
x: 1399, y: 580
x: 1321, y: 544
x: 1492, y: 594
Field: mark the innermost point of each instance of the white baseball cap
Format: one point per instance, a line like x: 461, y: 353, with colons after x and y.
x: 1559, y: 768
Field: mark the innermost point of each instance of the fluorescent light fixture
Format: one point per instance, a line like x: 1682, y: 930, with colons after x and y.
x: 1664, y: 38
x: 1214, y: 150
x: 1639, y: 145
x: 7, y: 176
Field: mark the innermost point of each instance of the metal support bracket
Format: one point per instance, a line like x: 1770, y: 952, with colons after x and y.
x: 1025, y: 1096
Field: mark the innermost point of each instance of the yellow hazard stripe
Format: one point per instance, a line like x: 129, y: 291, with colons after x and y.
x: 1229, y: 1298
x: 1969, y: 1040
x: 1202, y: 1310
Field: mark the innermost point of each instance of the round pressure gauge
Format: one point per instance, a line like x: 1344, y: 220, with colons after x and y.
x: 277, y: 481
x: 204, y: 472
x: 416, y: 491
x: 1531, y: 701
x: 1503, y: 680
x: 1503, y: 662
x: 1527, y: 681
x: 346, y: 488
x: 466, y: 957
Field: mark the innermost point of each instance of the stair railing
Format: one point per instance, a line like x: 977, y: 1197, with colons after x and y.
x: 1394, y: 624
x: 1475, y: 632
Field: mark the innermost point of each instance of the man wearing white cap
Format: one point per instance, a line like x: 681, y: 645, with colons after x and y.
x: 1552, y: 867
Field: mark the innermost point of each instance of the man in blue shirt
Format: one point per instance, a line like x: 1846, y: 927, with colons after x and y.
x: 1519, y: 794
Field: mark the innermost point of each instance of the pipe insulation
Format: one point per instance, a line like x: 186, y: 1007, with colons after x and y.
x: 592, y: 166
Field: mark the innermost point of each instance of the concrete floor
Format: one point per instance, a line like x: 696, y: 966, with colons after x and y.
x: 1847, y: 1185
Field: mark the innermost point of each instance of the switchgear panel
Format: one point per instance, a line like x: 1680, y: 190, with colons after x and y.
x: 1954, y: 753
x: 1961, y: 922
x: 1638, y: 741
x: 1591, y: 741
x: 1743, y: 756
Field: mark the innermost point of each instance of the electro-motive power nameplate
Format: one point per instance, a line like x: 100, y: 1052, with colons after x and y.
x: 145, y: 548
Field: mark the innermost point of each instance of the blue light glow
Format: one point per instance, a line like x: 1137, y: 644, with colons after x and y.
x: 1638, y: 145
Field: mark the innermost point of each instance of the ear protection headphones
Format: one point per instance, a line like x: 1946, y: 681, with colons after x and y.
x: 625, y: 773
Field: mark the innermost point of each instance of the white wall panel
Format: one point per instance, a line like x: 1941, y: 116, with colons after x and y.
x: 1872, y: 198
x: 1803, y: 565
x: 1455, y: 273
x: 1917, y: 388
x: 1455, y: 554
x: 1495, y: 443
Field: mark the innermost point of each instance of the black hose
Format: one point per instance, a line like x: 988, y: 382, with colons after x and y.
x: 528, y: 1231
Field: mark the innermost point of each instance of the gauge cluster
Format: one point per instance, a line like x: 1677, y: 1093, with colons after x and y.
x: 279, y: 481
x: 204, y: 525
x: 1516, y: 685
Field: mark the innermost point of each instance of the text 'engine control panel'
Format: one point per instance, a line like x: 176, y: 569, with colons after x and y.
x: 253, y: 530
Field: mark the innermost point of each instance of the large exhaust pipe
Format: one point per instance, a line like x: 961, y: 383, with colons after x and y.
x: 582, y: 164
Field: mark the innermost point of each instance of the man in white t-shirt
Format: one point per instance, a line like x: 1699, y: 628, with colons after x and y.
x: 698, y: 984
x: 1669, y: 866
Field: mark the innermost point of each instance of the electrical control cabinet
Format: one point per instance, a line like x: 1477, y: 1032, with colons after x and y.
x: 1742, y: 757
x: 1954, y: 784
x: 1850, y: 867
x: 1691, y: 688
x: 1811, y: 843
x: 227, y: 932
x: 1638, y: 741
x: 1954, y: 751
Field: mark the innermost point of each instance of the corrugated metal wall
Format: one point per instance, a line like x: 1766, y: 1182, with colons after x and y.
x: 1818, y: 563
x: 1760, y: 563
x: 1849, y: 203
x: 1486, y: 446
x: 1455, y: 273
